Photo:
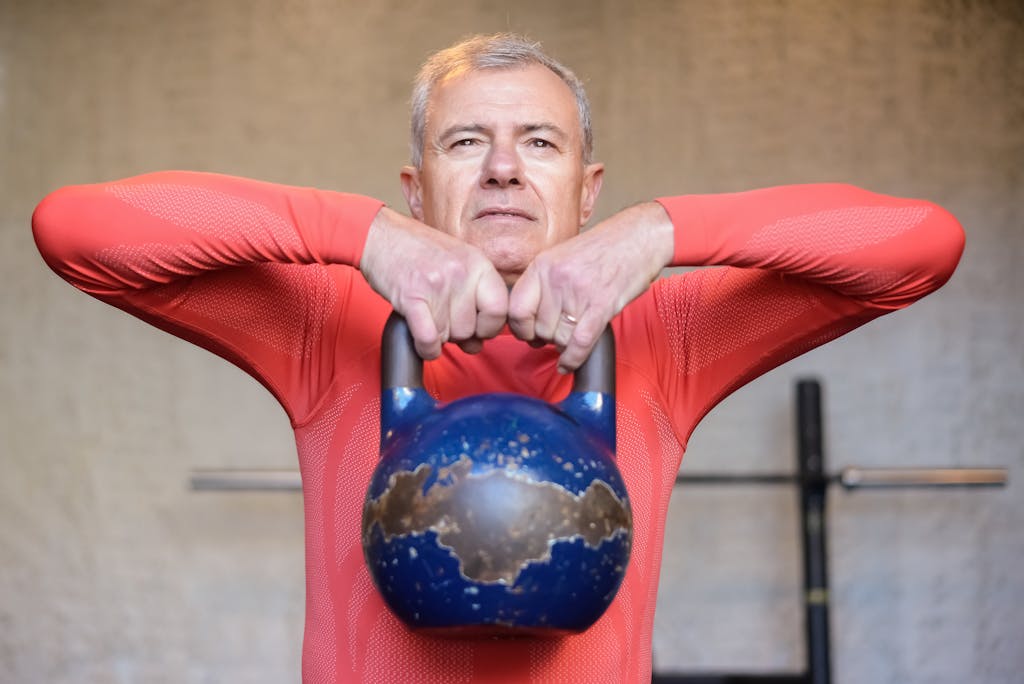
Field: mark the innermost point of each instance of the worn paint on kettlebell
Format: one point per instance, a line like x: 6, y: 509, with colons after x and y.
x: 523, y: 520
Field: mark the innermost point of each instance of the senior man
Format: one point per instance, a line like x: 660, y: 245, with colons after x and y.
x: 294, y: 285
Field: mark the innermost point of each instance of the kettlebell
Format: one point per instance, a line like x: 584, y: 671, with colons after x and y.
x: 496, y: 514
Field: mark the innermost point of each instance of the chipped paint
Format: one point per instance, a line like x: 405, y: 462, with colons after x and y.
x: 496, y: 523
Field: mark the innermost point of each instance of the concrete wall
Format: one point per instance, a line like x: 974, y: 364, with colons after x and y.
x: 112, y: 571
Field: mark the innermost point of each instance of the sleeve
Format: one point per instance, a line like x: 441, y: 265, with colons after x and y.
x: 796, y: 267
x: 237, y: 266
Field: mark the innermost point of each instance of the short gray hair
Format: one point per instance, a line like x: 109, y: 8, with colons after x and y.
x: 497, y: 51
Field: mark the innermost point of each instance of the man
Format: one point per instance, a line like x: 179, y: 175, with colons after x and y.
x: 293, y: 285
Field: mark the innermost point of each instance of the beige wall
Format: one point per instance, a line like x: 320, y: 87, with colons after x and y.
x: 112, y: 571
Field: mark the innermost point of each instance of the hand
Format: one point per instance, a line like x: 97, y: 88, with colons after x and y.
x: 446, y: 289
x: 570, y: 291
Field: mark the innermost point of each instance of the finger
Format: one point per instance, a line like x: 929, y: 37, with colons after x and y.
x: 462, y: 313
x: 564, y: 329
x: 584, y: 336
x: 522, y: 305
x: 491, y: 304
x: 549, y: 312
x: 423, y: 328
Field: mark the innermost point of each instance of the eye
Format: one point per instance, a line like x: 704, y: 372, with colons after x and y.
x: 540, y: 142
x: 465, y: 142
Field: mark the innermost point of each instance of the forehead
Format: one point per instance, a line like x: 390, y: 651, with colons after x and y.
x: 525, y: 95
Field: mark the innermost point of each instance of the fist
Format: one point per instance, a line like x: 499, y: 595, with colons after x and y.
x: 447, y: 290
x: 572, y: 290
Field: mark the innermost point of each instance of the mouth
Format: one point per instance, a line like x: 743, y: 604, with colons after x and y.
x: 505, y: 213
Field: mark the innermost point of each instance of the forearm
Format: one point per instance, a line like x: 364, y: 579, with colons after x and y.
x: 643, y: 235
x: 153, y: 229
x: 886, y: 250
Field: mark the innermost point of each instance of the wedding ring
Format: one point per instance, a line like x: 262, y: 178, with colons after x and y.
x: 570, y: 319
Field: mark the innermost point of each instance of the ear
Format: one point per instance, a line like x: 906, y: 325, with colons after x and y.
x: 593, y: 176
x: 413, y: 191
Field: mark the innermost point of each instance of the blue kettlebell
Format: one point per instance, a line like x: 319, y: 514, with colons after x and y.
x: 496, y: 514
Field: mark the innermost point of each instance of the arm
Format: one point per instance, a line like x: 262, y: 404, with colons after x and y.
x: 134, y: 234
x: 233, y: 265
x: 883, y: 251
x: 806, y: 264
x: 860, y: 249
x: 239, y: 267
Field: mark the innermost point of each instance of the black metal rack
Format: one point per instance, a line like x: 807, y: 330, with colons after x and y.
x: 813, y: 482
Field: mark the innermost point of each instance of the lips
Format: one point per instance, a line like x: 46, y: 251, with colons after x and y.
x: 504, y: 212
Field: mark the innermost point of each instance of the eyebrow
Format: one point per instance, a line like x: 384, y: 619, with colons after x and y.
x: 525, y: 128
x: 546, y: 127
x: 461, y: 128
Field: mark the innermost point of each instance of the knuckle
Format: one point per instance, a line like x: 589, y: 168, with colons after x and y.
x: 425, y: 284
x: 446, y: 274
x: 494, y: 307
x: 561, y: 274
x: 518, y: 312
x: 583, y: 339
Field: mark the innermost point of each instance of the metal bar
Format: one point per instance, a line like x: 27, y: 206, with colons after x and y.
x: 715, y: 678
x: 737, y: 479
x: 246, y: 480
x: 814, y: 485
x: 853, y: 477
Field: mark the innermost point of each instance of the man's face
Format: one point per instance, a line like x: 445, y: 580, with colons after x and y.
x: 502, y: 165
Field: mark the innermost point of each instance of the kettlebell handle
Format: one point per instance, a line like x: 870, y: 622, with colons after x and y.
x: 401, y: 366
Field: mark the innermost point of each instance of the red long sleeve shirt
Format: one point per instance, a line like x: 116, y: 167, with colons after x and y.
x: 266, y: 276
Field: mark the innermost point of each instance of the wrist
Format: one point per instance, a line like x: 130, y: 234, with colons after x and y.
x: 655, y: 231
x: 378, y: 239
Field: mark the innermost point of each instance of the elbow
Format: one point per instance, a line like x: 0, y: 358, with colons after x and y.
x: 50, y: 227
x: 926, y: 259
x: 944, y: 245
x: 64, y: 226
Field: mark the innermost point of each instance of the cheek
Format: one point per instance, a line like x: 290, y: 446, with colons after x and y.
x: 564, y: 206
x: 446, y: 207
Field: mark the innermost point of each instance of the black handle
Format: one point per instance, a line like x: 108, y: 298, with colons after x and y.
x: 597, y: 374
x: 401, y: 366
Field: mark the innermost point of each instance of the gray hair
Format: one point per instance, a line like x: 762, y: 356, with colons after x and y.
x: 497, y: 51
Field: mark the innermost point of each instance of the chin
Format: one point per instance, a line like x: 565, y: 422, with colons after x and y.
x: 510, y: 278
x: 505, y: 263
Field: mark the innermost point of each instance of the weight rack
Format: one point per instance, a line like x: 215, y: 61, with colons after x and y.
x: 813, y: 483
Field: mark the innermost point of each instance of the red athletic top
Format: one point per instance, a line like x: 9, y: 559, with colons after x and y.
x: 264, y: 275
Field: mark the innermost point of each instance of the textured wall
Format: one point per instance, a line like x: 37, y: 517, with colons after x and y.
x: 112, y: 571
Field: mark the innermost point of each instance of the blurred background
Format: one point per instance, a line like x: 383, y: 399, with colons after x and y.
x: 112, y: 570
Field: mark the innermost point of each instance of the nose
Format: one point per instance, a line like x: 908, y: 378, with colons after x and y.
x: 502, y: 167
